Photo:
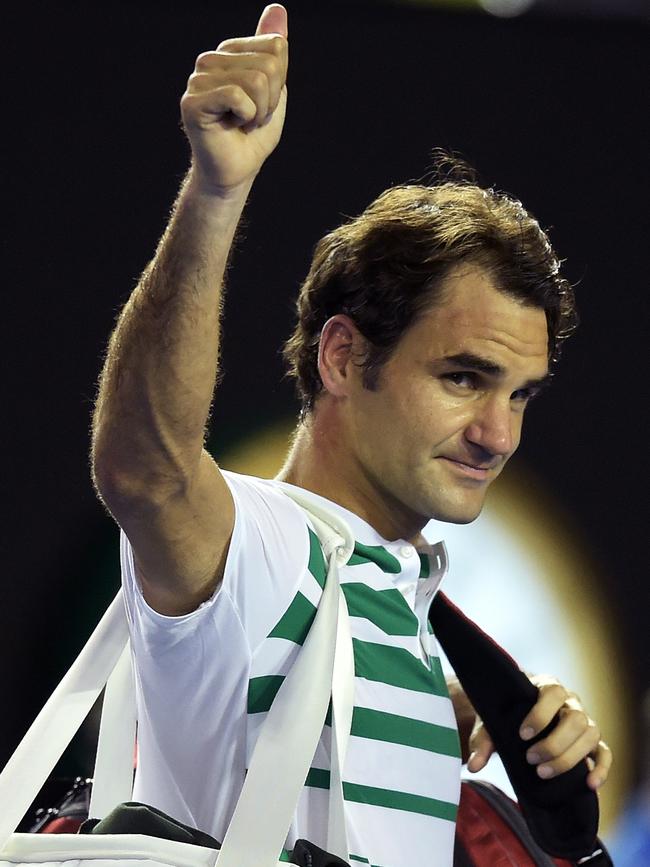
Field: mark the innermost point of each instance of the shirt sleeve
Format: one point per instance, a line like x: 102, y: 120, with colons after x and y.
x: 266, y: 560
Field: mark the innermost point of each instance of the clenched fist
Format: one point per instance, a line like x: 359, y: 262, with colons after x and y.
x: 234, y: 106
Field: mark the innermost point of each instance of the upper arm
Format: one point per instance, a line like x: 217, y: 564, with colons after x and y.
x: 180, y: 543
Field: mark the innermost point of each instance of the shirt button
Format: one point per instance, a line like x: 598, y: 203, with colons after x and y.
x: 406, y: 551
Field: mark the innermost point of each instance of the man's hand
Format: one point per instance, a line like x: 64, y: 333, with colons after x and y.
x: 575, y: 737
x: 234, y: 106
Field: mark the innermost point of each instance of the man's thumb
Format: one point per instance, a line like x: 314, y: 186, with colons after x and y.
x: 273, y: 20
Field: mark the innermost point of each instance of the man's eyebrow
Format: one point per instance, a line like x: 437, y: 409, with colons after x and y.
x: 469, y: 361
x: 475, y: 362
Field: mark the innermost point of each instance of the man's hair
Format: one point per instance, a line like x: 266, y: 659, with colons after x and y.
x: 385, y: 267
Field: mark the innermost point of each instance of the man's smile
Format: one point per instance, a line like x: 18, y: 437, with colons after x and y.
x: 479, y: 471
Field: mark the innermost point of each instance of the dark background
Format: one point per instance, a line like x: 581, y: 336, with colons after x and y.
x: 549, y: 108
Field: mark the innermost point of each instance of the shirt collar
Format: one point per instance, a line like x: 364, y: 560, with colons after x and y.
x: 434, y: 553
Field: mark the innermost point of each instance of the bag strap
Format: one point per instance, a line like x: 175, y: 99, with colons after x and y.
x: 337, y: 542
x: 292, y: 729
x: 113, y: 774
x: 45, y: 741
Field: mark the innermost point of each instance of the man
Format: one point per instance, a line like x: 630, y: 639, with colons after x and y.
x: 425, y: 326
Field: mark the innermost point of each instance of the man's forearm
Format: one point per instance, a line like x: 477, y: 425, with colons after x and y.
x: 158, y: 379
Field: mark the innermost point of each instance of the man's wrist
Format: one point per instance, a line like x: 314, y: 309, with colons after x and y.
x: 197, y: 185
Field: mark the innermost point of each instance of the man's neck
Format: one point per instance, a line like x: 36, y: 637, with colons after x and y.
x: 319, y: 462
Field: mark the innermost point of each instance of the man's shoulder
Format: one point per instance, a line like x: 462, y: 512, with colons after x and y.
x: 263, y: 502
x: 255, y: 487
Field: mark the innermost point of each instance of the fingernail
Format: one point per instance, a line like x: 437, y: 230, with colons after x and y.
x: 471, y: 759
x: 527, y: 733
x: 533, y: 758
x: 545, y: 771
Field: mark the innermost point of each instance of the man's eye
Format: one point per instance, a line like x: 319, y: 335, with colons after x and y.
x: 525, y: 394
x: 462, y: 380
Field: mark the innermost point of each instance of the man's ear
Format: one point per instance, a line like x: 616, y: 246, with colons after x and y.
x: 340, y: 349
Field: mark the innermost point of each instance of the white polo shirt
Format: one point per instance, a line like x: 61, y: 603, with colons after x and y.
x: 205, y: 681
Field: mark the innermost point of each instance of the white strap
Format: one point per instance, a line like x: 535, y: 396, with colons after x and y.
x: 286, y: 744
x: 113, y: 775
x: 55, y: 726
x: 329, y: 527
x: 342, y: 707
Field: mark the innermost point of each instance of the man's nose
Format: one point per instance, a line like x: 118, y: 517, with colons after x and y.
x: 494, y: 428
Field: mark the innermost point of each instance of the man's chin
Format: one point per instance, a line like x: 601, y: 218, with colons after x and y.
x: 457, y: 513
x: 457, y: 519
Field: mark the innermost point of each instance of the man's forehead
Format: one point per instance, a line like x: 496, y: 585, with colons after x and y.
x: 474, y: 317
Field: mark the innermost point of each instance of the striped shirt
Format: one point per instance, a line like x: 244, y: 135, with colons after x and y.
x: 206, y: 681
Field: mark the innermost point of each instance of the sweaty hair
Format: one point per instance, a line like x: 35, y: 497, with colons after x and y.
x: 385, y: 267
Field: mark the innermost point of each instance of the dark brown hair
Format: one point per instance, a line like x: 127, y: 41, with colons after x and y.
x: 384, y: 268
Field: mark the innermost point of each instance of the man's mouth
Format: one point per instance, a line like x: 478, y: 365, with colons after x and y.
x: 478, y: 471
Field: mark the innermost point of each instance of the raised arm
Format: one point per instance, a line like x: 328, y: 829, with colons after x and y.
x: 148, y: 460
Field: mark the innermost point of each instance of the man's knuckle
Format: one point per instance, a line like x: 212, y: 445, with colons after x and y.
x: 277, y: 45
x: 556, y: 689
x: 205, y: 61
x: 269, y: 65
x: 256, y: 80
x: 594, y: 731
x: 234, y: 94
x: 195, y: 81
x: 577, y: 718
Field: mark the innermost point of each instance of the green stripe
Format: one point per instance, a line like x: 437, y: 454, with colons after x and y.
x: 397, y: 667
x: 317, y: 565
x: 296, y: 621
x: 425, y: 565
x: 359, y: 858
x: 376, y: 554
x: 285, y: 855
x: 319, y: 779
x: 400, y: 801
x: 262, y: 691
x: 387, y: 609
x: 379, y: 726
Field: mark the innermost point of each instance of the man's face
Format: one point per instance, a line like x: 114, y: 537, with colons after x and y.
x: 448, y: 409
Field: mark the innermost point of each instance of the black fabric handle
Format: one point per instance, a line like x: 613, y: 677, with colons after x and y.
x: 132, y: 817
x: 562, y: 813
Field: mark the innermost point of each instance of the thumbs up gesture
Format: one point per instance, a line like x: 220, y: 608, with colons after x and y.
x: 234, y: 106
